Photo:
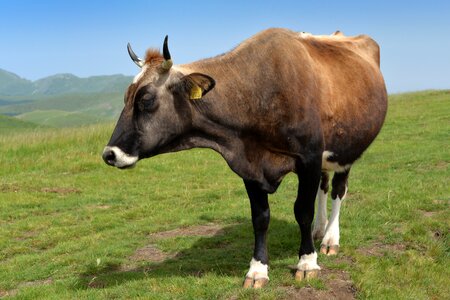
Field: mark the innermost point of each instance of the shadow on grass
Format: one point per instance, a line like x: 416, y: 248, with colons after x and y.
x: 227, y: 253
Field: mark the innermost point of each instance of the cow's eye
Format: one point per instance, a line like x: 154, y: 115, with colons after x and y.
x: 147, y: 102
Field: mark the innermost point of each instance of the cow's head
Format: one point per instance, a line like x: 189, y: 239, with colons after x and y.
x: 158, y: 109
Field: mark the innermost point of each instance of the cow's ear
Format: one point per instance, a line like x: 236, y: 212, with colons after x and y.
x: 198, y: 85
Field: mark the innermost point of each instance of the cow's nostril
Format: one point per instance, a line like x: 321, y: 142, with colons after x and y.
x: 109, y: 157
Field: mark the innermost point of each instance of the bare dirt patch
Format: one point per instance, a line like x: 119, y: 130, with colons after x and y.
x: 27, y: 235
x: 207, y: 230
x: 150, y: 253
x: 441, y: 165
x: 100, y: 206
x: 59, y: 190
x: 15, y: 188
x: 428, y: 214
x: 379, y: 249
x: 14, y: 292
x: 338, y: 285
x: 441, y: 201
x: 8, y: 188
x: 36, y: 282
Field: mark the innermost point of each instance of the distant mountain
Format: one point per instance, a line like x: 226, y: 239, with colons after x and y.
x: 60, y: 100
x: 13, y: 85
x: 69, y: 84
x: 60, y: 84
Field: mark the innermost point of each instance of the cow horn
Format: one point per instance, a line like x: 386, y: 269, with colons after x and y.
x: 139, y: 62
x: 167, y: 63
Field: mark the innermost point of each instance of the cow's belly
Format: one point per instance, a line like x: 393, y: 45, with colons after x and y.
x: 345, y: 146
x: 347, y: 136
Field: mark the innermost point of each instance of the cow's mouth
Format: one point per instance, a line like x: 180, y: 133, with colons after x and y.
x: 115, y: 157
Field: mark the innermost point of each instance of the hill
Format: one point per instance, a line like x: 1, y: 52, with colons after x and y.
x: 62, y: 100
x: 69, y: 84
x: 58, y: 118
x: 8, y: 123
x: 104, y: 105
x: 13, y: 86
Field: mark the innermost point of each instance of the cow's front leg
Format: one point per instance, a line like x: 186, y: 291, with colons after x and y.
x: 309, y: 178
x: 257, y: 276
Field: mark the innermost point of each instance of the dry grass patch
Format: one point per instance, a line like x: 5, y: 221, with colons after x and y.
x: 207, y: 230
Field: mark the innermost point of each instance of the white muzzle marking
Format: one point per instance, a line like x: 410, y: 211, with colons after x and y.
x: 121, y: 158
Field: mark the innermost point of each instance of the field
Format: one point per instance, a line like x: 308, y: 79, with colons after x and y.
x: 58, y: 118
x: 178, y: 226
x: 68, y: 110
x: 9, y: 124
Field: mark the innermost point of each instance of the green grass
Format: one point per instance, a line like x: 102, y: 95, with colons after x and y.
x: 8, y: 124
x: 70, y: 225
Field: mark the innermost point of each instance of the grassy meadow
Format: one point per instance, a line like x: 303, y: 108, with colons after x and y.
x: 178, y: 226
x: 68, y: 110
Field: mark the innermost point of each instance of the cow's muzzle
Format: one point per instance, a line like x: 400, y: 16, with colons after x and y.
x: 115, y: 157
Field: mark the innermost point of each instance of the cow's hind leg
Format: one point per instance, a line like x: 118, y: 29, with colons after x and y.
x: 309, y: 178
x: 330, y: 242
x: 321, y: 220
x: 257, y: 276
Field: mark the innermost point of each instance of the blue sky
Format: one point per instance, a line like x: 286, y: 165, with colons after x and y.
x: 42, y: 38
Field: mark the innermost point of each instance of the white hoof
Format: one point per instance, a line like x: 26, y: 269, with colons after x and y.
x: 307, y: 267
x: 258, y: 269
x: 257, y: 276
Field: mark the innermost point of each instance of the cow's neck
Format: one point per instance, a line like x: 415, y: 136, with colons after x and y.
x: 221, y: 122
x: 243, y: 155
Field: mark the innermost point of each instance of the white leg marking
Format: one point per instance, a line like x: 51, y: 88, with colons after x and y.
x: 332, y: 165
x: 331, y: 237
x: 122, y: 159
x: 320, y: 222
x: 308, y: 262
x: 257, y: 270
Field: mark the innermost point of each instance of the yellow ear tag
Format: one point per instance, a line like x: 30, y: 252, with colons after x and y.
x: 196, y: 93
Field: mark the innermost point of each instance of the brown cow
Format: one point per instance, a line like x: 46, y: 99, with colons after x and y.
x: 280, y: 102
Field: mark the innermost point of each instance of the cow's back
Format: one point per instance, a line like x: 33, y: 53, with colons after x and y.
x: 281, y: 89
x: 353, y: 98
